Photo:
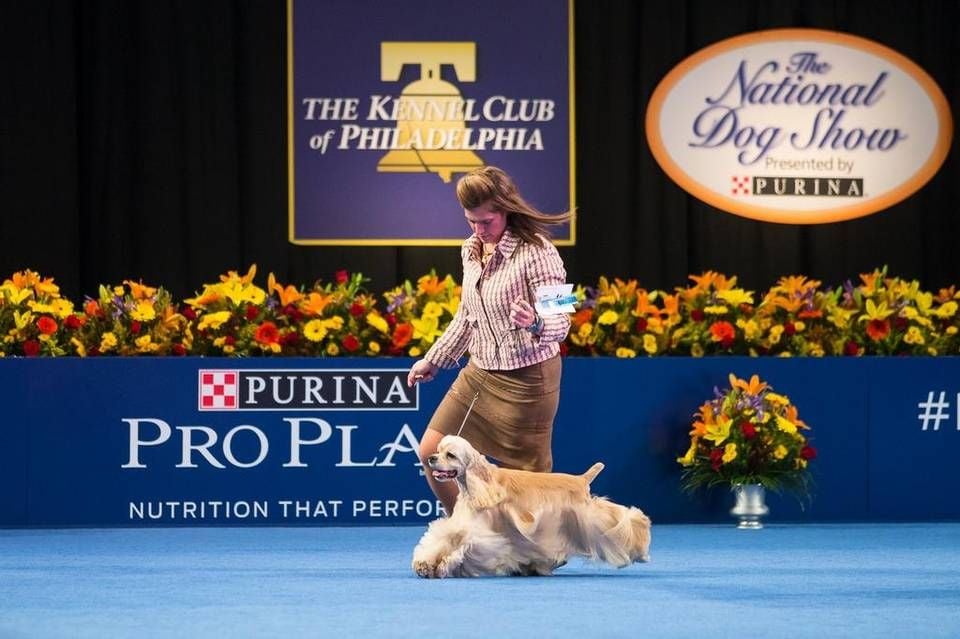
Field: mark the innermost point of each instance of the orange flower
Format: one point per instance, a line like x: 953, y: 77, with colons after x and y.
x: 581, y: 317
x: 139, y: 291
x: 878, y: 329
x: 92, y: 309
x: 753, y: 387
x: 431, y: 285
x: 402, y: 334
x: 267, y: 333
x: 287, y: 295
x: 644, y: 307
x: 314, y: 303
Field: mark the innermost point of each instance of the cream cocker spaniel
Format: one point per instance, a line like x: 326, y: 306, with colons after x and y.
x: 515, y: 522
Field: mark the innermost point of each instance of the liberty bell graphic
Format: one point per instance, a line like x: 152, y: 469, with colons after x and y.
x: 430, y: 110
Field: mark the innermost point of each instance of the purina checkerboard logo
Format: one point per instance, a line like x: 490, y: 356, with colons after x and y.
x: 218, y: 390
x: 305, y: 390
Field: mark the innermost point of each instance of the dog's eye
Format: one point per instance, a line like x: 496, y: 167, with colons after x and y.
x: 451, y: 456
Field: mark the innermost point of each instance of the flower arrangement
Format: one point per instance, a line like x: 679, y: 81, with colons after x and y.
x: 129, y: 319
x: 719, y: 317
x: 238, y: 317
x: 418, y: 315
x: 747, y: 434
x: 34, y: 318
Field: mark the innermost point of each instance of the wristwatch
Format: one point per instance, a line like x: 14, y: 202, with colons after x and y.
x: 537, y: 327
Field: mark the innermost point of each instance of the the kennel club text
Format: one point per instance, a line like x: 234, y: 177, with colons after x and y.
x: 288, y: 509
x: 311, y: 390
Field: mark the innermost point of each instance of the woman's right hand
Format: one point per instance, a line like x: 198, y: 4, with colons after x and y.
x: 422, y: 371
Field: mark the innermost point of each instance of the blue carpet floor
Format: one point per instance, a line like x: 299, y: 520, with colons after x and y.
x: 824, y: 581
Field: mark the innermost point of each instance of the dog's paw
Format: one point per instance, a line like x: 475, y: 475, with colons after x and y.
x: 424, y: 569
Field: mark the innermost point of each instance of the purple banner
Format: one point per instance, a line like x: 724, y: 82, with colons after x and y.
x: 389, y: 103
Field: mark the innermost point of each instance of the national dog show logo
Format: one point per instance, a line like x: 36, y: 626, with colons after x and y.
x: 799, y: 126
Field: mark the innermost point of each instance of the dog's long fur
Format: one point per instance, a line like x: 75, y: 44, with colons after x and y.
x: 514, y: 522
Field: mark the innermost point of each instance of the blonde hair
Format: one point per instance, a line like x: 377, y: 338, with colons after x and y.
x: 490, y: 184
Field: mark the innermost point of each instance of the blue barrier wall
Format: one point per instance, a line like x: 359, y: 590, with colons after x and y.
x: 127, y: 442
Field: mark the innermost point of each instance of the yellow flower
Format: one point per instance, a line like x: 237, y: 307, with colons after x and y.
x: 145, y: 344
x: 213, y: 320
x: 799, y: 326
x: 315, y: 330
x: 751, y: 330
x: 81, y: 349
x: 729, y: 453
x: 736, y: 296
x: 650, y: 344
x: 718, y: 431
x: 786, y: 425
x: 780, y: 451
x: 914, y: 336
x: 946, y: 310
x: 432, y: 310
x: 607, y: 318
x: 775, y: 333
x: 717, y: 309
x: 690, y: 456
x: 626, y: 352
x: 816, y: 350
x: 585, y: 329
x: 782, y: 400
x: 61, y: 307
x: 374, y: 347
x: 143, y: 311
x: 426, y: 329
x: 414, y: 351
x: 875, y: 311
x: 375, y: 320
x: 696, y: 350
x: 108, y: 341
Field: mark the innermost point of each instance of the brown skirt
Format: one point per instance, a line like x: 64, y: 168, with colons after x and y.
x: 512, y: 419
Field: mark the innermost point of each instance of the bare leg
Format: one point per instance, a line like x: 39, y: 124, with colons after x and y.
x: 446, y: 492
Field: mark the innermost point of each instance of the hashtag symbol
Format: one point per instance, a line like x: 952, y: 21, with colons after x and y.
x: 933, y: 411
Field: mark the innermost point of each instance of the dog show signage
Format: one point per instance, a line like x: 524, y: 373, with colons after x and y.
x: 382, y: 120
x: 799, y: 126
x: 133, y: 441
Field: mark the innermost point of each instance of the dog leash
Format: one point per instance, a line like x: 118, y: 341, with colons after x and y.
x: 464, y: 423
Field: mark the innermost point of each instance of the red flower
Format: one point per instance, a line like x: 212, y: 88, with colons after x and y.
x: 641, y: 325
x: 350, y: 343
x: 74, y: 322
x: 851, y: 348
x: 31, y: 347
x: 357, y: 309
x: 402, y: 335
x: 290, y: 339
x: 251, y: 312
x: 748, y: 430
x: 178, y: 349
x: 267, y: 333
x: 901, y: 323
x: 342, y: 276
x: 294, y: 313
x: 789, y: 329
x: 229, y: 340
x: 808, y: 452
x: 47, y: 325
x: 716, y: 458
x: 391, y: 319
x: 697, y: 315
x: 189, y: 313
x: 878, y: 329
x: 746, y: 309
x: 723, y: 332
x: 135, y: 327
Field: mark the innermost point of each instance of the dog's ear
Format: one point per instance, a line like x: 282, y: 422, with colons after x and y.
x: 482, y: 490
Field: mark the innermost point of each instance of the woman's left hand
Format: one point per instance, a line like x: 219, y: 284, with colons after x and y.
x: 522, y: 314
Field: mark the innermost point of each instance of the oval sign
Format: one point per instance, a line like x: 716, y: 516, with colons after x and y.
x: 799, y: 126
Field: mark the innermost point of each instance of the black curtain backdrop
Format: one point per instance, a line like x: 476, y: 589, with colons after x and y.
x: 147, y: 140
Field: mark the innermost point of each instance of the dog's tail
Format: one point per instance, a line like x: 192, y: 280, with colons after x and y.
x: 592, y: 473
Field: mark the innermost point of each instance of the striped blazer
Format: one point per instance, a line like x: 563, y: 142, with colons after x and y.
x: 482, y: 322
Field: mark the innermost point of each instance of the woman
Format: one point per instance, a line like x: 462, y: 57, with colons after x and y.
x: 510, y: 386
